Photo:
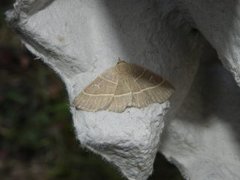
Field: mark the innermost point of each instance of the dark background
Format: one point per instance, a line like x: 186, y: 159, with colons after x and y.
x: 36, y: 133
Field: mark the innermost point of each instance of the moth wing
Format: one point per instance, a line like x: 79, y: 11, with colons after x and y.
x: 97, y: 95
x: 154, y: 89
x: 124, y: 85
x: 122, y: 96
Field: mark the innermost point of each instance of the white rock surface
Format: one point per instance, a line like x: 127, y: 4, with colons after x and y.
x: 219, y: 21
x: 203, y: 138
x: 81, y: 38
x: 129, y: 140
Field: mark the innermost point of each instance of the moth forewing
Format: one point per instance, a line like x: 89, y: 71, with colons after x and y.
x: 122, y: 86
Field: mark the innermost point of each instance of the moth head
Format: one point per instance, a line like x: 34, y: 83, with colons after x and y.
x: 120, y: 61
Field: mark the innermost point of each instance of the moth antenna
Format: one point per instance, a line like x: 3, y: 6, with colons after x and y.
x: 120, y: 61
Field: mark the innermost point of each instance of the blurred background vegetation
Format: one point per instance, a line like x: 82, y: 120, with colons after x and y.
x: 36, y: 134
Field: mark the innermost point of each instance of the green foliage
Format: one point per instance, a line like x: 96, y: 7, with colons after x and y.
x: 36, y: 127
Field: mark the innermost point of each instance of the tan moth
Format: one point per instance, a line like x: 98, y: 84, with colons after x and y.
x: 124, y: 85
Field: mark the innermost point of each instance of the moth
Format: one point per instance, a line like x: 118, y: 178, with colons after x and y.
x: 122, y: 86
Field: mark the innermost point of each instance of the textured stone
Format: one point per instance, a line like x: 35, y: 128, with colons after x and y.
x: 79, y: 39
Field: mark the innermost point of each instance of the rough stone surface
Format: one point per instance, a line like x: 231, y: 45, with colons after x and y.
x: 203, y: 138
x: 198, y: 128
x: 219, y: 22
x: 129, y: 140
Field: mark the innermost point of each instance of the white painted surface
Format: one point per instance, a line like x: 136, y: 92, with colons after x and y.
x: 81, y: 38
